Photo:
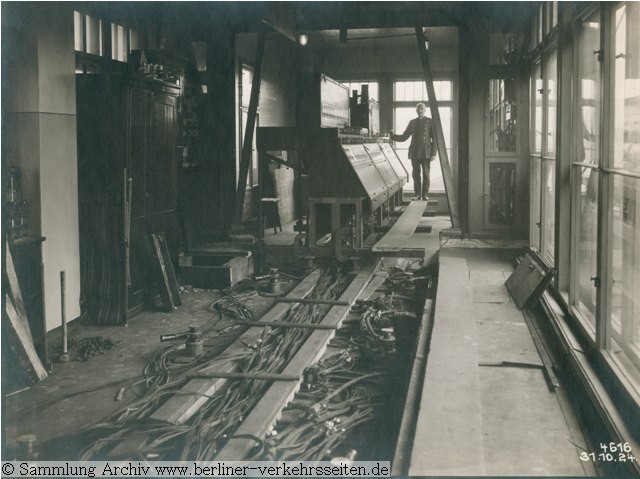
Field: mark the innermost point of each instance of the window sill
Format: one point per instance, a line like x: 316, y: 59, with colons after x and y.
x: 619, y: 412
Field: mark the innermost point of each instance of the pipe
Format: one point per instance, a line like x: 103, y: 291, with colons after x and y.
x: 64, y: 357
x: 313, y: 301
x: 247, y: 375
x: 404, y: 445
x: 282, y: 324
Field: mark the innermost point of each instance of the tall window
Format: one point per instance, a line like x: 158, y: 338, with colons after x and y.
x: 623, y: 179
x: 536, y: 156
x: 585, y: 170
x: 604, y: 292
x: 88, y: 34
x: 405, y: 96
x: 543, y: 126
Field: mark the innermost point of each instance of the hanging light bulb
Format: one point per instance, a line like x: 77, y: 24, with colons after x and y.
x: 426, y: 38
x: 303, y: 39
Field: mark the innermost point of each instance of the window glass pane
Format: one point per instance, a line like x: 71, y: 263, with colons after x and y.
x: 502, y: 134
x: 93, y: 35
x: 587, y: 226
x: 588, y: 91
x: 626, y: 87
x: 537, y: 110
x: 548, y: 208
x: 585, y: 180
x: 534, y: 229
x: 118, y: 43
x: 417, y: 90
x: 625, y: 267
x: 247, y: 79
x: 77, y: 32
x: 551, y: 90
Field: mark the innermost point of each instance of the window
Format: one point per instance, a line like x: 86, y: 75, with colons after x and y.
x: 543, y: 134
x: 536, y: 155
x: 119, y: 43
x: 405, y: 96
x: 585, y: 173
x: 623, y: 178
x: 88, y: 35
x: 549, y: 156
x: 605, y: 185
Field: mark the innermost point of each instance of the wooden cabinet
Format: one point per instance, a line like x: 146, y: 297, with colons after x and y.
x: 127, y: 133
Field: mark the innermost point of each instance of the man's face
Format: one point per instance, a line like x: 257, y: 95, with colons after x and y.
x: 421, y: 111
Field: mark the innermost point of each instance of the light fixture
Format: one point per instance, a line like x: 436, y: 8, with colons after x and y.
x: 303, y: 39
x: 426, y: 38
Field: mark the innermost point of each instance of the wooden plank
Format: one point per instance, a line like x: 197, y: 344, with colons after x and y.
x: 14, y: 287
x: 449, y: 187
x: 402, y: 230
x: 165, y: 288
x: 171, y: 275
x: 266, y: 412
x: 25, y: 348
x: 377, y: 281
x: 181, y: 407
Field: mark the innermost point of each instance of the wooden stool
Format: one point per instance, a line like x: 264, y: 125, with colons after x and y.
x: 270, y: 209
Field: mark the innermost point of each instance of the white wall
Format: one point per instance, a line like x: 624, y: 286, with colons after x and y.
x: 42, y: 141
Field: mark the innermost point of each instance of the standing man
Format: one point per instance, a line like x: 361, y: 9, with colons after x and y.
x: 421, y: 150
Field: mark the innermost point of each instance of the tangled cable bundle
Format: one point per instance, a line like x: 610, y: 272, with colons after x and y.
x: 337, y: 398
x: 209, y: 429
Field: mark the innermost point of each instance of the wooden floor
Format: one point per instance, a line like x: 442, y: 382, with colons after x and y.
x: 486, y: 408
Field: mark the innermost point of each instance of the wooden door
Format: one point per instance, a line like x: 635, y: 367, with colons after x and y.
x: 139, y: 249
x: 153, y: 169
x: 162, y: 168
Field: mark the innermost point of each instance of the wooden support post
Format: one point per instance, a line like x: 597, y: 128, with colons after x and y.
x: 247, y: 143
x: 437, y: 126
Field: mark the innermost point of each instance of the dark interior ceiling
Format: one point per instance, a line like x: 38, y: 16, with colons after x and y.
x: 361, y: 18
x: 383, y: 37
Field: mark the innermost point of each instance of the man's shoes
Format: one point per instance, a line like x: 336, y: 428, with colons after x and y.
x: 416, y: 198
x: 425, y: 198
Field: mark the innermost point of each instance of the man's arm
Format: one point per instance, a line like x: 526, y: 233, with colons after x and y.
x: 405, y: 136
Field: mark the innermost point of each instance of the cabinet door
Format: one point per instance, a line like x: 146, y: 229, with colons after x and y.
x: 138, y: 142
x: 153, y: 169
x: 161, y: 166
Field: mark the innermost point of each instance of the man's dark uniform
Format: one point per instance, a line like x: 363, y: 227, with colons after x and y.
x: 421, y: 151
